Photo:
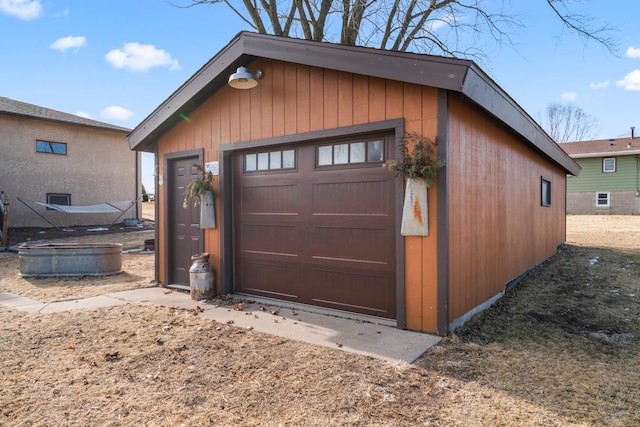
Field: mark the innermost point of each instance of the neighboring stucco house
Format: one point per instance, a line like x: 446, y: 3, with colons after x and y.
x: 47, y: 156
x: 610, y: 179
x: 300, y: 220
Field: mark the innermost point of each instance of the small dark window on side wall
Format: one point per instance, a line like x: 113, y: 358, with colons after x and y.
x: 545, y: 192
x: 58, y: 199
x: 51, y: 147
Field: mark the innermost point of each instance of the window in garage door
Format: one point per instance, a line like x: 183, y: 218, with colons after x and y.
x: 269, y: 160
x: 315, y: 224
x: 353, y: 152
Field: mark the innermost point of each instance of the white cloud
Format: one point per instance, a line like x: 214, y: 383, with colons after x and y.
x: 66, y: 12
x: 436, y: 24
x: 633, y: 52
x: 23, y: 9
x: 69, y: 42
x: 568, y: 96
x: 83, y: 114
x: 600, y: 85
x: 116, y: 113
x: 631, y: 81
x: 139, y: 57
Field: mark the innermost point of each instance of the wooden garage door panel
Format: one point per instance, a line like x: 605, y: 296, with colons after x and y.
x: 279, y: 240
x: 366, y: 246
x: 269, y: 199
x: 268, y: 279
x: 328, y: 290
x: 351, y: 198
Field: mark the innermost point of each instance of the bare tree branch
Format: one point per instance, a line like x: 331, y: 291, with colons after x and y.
x: 567, y: 122
x: 210, y: 2
x: 289, y: 20
x: 581, y: 25
x: 304, y: 22
x: 446, y: 27
x: 273, y: 17
x: 389, y: 26
x: 418, y: 27
x: 346, y: 11
x: 358, y: 8
x: 325, y: 7
x: 254, y: 14
x: 405, y: 25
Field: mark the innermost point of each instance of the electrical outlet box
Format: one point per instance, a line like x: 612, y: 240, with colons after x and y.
x: 213, y: 167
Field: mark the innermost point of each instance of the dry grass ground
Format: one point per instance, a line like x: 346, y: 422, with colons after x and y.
x: 137, y: 266
x: 561, y: 349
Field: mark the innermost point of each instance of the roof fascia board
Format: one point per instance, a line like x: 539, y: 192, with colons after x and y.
x: 479, y: 88
x: 439, y: 72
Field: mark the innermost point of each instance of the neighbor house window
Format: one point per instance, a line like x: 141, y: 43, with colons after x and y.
x: 545, y: 187
x: 350, y: 152
x: 603, y: 200
x: 609, y: 164
x: 270, y: 160
x: 58, y: 199
x: 51, y: 147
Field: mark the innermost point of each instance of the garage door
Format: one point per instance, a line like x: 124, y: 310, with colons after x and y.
x: 315, y: 224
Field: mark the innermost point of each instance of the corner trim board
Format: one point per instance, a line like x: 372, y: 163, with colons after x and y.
x: 443, y: 214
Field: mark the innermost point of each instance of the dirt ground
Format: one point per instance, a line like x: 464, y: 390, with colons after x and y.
x: 560, y: 349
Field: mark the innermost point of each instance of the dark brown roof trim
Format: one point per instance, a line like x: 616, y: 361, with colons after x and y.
x: 23, y: 109
x: 457, y: 75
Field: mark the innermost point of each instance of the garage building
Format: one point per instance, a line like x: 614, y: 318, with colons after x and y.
x: 305, y: 211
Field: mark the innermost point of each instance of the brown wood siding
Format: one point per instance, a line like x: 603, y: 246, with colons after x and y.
x: 498, y: 227
x: 294, y: 99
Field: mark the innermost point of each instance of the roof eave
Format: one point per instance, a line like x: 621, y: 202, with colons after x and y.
x: 67, y: 122
x: 605, y: 154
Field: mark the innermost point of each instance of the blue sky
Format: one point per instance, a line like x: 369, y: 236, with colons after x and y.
x: 117, y: 60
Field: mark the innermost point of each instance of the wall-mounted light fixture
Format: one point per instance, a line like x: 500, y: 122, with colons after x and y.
x: 243, y: 79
